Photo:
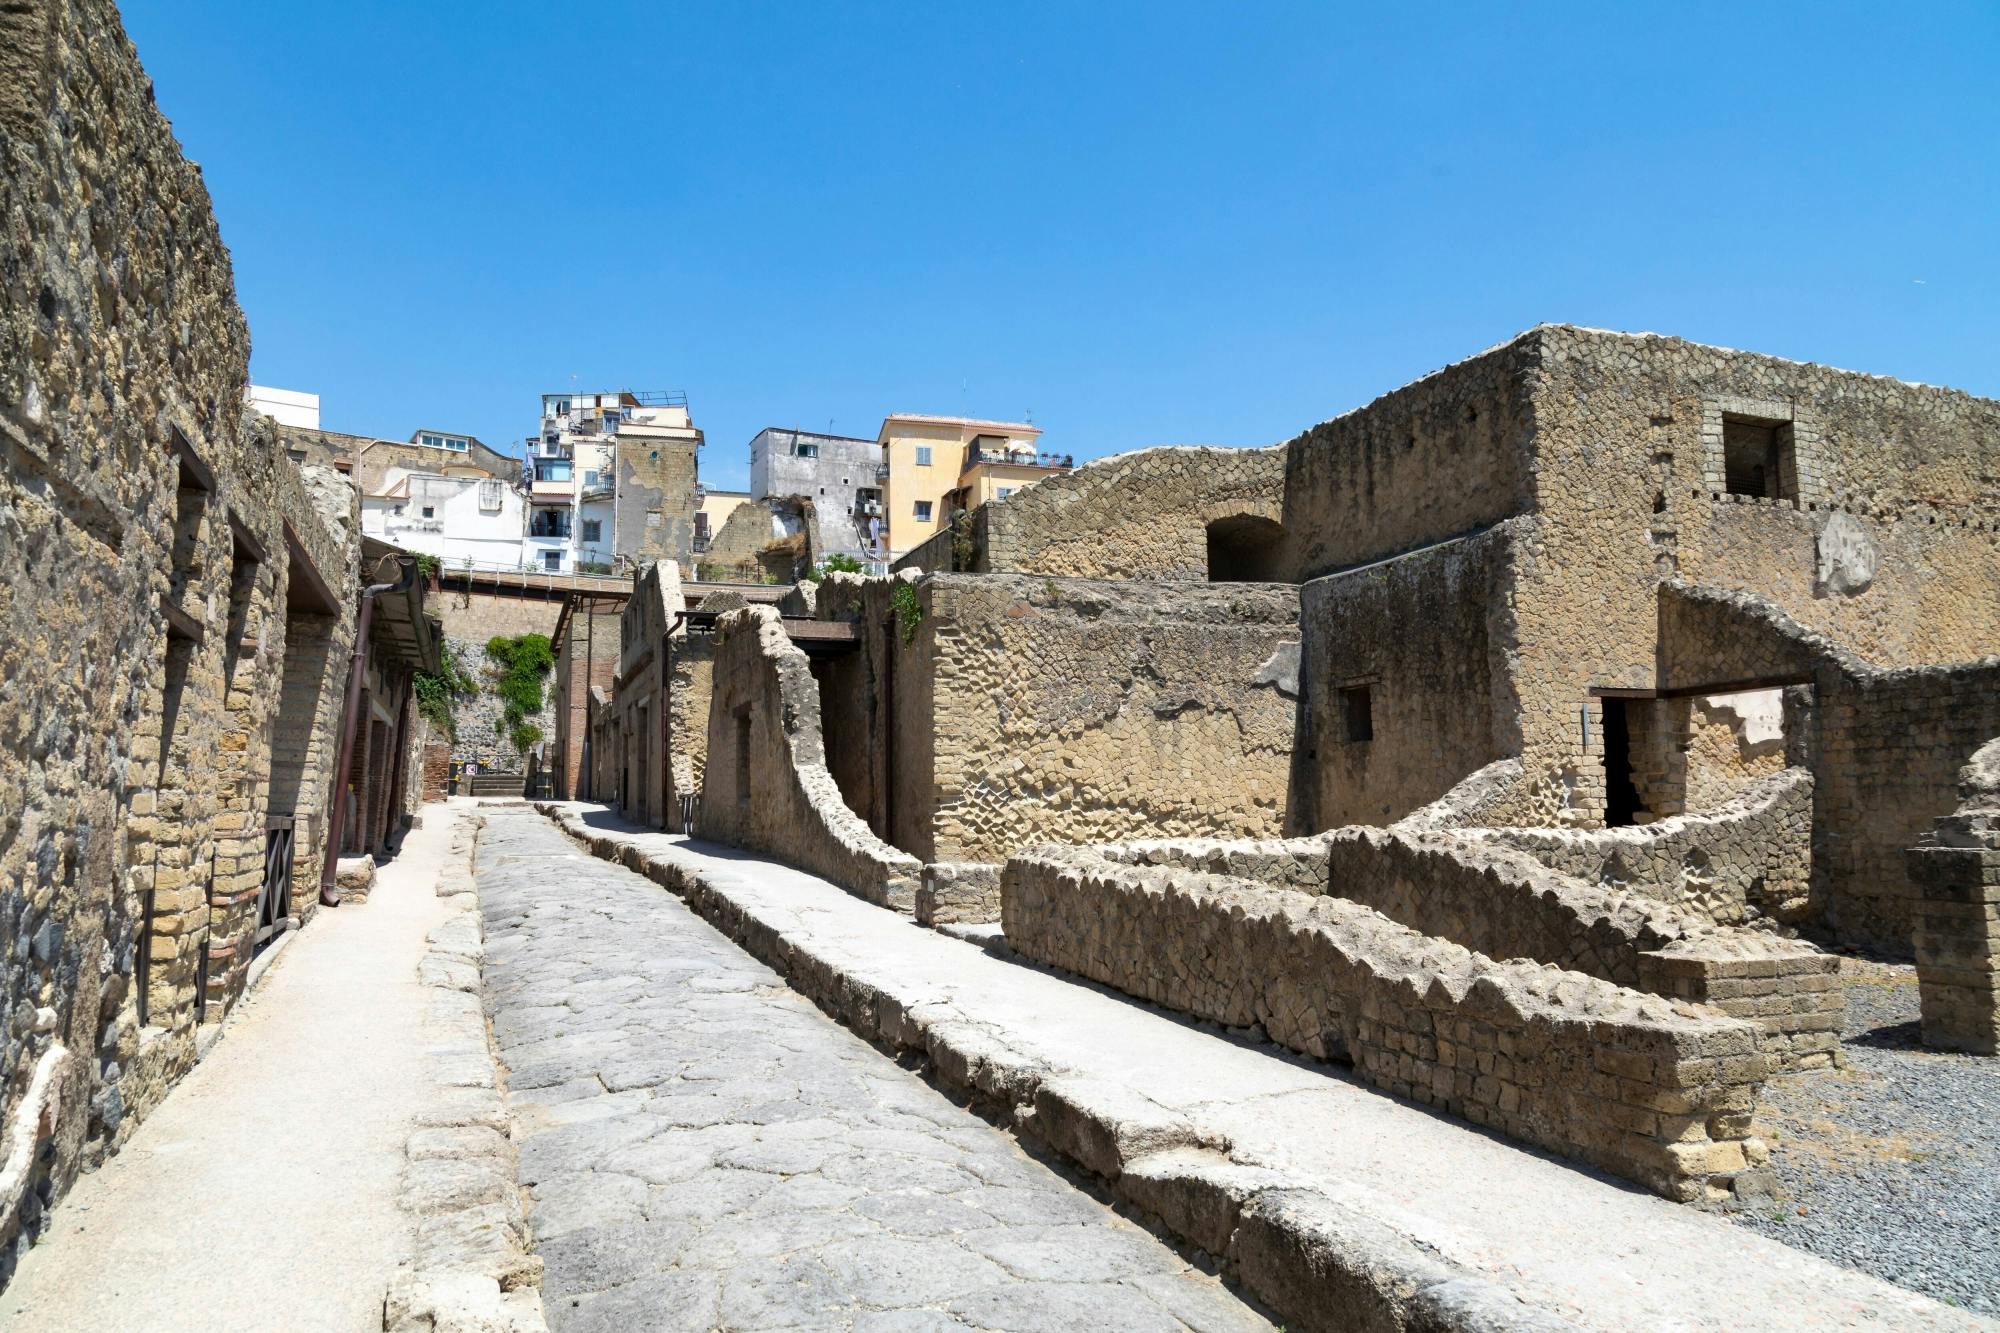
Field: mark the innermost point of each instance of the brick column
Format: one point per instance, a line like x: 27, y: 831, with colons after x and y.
x: 1957, y: 939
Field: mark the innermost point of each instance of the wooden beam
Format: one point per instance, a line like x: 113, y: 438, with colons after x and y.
x: 303, y: 573
x: 247, y: 539
x: 180, y: 625
x: 195, y: 474
x: 1700, y: 691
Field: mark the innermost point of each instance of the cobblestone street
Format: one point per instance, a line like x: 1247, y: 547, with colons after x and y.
x: 706, y: 1149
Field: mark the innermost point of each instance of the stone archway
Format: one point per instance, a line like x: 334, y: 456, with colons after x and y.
x: 1246, y: 548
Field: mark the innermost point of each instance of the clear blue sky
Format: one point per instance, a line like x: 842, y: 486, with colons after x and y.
x: 1144, y: 223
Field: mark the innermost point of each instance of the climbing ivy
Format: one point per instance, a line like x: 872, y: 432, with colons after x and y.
x: 909, y: 611
x: 437, y: 696
x: 520, y: 664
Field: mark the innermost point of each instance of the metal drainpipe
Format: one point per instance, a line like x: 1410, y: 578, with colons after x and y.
x: 357, y: 672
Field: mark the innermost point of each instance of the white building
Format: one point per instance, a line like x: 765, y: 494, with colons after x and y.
x: 480, y: 520
x: 576, y: 521
x: 287, y: 407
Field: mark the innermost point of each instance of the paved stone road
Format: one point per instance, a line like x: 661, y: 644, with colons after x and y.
x: 707, y: 1150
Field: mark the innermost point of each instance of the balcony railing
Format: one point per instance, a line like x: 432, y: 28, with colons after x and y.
x: 974, y: 456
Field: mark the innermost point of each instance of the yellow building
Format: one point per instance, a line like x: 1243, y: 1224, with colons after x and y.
x: 935, y: 464
x: 716, y: 507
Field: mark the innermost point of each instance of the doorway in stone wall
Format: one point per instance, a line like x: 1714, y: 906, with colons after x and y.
x: 1621, y: 793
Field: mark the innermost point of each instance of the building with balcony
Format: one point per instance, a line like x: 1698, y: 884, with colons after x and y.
x: 931, y: 464
x: 622, y: 467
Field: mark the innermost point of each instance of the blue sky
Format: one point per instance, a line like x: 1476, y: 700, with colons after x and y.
x: 1143, y: 224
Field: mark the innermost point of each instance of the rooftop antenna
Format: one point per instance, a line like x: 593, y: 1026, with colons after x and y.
x: 1030, y: 415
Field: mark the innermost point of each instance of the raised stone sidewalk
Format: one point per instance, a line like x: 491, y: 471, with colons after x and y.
x: 1339, y: 1207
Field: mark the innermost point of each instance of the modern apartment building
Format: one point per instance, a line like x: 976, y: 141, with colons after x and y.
x: 612, y: 480
x: 927, y: 460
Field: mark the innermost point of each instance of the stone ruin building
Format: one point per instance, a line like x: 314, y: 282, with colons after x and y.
x: 179, y: 605
x: 1538, y: 796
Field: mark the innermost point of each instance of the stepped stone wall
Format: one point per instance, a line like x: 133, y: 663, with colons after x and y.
x: 1658, y: 1092
x: 1748, y: 860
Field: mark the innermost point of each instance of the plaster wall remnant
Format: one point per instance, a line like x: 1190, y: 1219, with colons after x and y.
x: 766, y: 784
x: 176, y: 609
x: 1010, y: 709
x: 1658, y: 1092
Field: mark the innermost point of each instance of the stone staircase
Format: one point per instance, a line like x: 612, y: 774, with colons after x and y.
x: 493, y: 784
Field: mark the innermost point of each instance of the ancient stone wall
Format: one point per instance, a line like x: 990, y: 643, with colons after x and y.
x: 586, y: 658
x: 1439, y: 458
x: 1658, y: 1093
x: 1879, y: 526
x: 1408, y: 668
x: 1749, y: 860
x: 1009, y: 709
x: 470, y: 620
x: 642, y: 735
x: 1956, y: 869
x: 159, y: 555
x: 1505, y: 905
x: 766, y: 784
x: 1140, y: 515
x: 1884, y: 746
x: 750, y: 549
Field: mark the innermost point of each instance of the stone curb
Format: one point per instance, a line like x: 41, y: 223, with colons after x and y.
x: 1319, y: 1263
x: 475, y: 1270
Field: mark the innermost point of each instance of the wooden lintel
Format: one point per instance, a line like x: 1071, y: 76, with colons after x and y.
x: 180, y: 625
x: 195, y: 474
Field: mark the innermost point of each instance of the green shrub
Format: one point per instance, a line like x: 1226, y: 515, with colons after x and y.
x: 833, y: 564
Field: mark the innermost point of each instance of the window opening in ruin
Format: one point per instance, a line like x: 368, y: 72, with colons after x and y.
x: 743, y: 757
x: 1246, y: 548
x: 1621, y: 793
x: 1757, y: 459
x: 1357, y: 714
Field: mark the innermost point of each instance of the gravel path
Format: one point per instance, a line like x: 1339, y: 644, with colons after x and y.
x: 1891, y: 1166
x: 707, y: 1150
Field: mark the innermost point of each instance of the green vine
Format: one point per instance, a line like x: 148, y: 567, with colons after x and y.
x: 522, y: 661
x: 909, y: 611
x: 438, y: 695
